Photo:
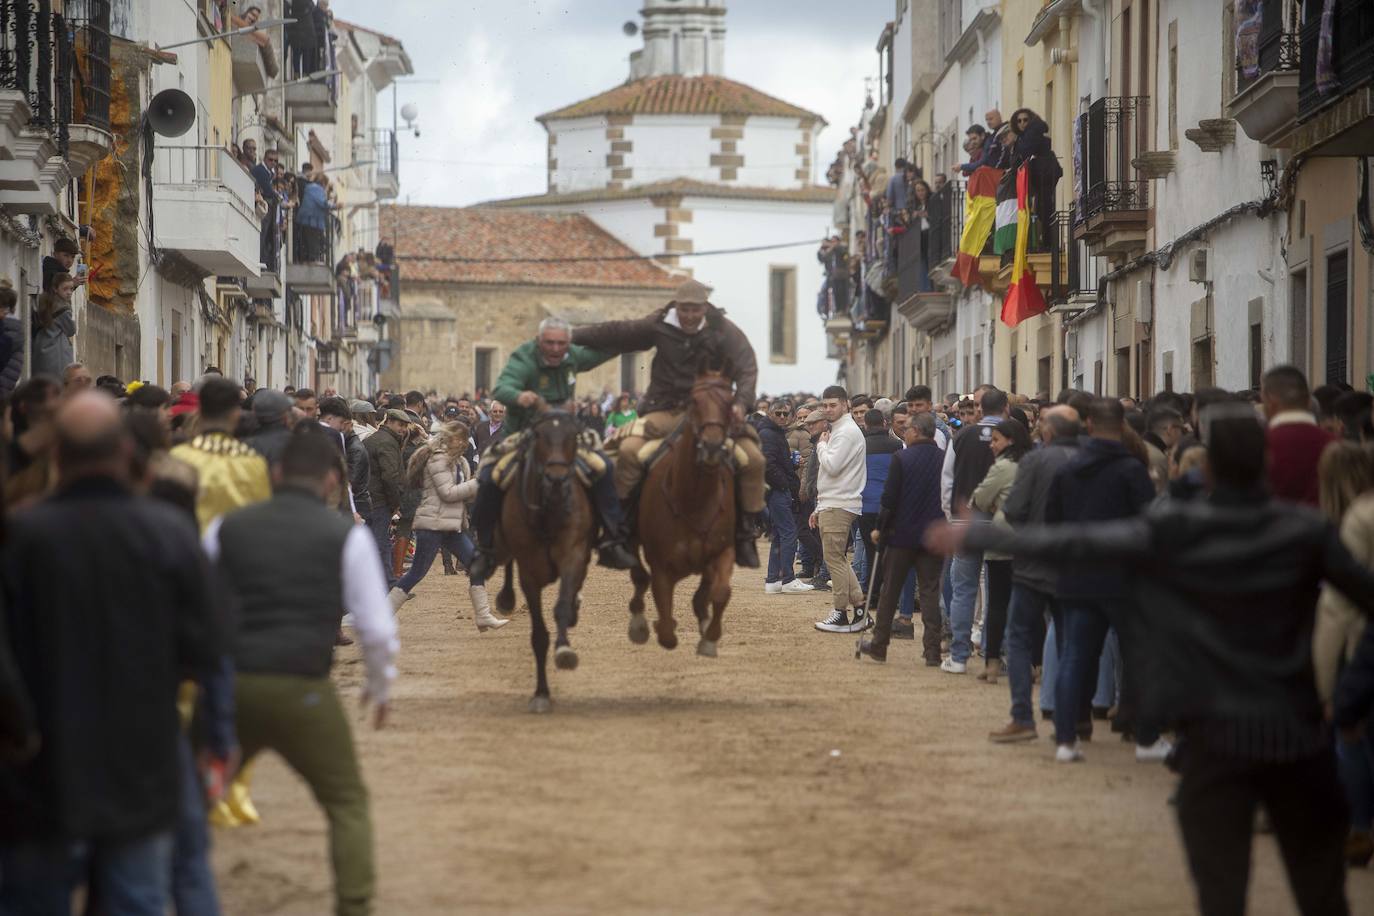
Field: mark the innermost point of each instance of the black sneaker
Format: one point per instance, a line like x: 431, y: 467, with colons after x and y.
x: 837, y: 622
x: 615, y: 555
x: 903, y: 628
x: 821, y: 586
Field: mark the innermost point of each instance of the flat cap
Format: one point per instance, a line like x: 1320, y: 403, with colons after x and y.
x: 693, y: 291
x: 361, y: 407
x: 270, y: 405
x: 399, y: 415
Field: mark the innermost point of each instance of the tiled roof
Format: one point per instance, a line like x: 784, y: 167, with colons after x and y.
x: 382, y: 36
x: 682, y: 95
x: 686, y: 187
x: 490, y: 236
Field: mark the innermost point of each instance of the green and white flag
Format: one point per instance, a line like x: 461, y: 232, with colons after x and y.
x: 1004, y: 236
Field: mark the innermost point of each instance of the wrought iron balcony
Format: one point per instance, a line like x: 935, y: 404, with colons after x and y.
x: 35, y: 56
x: 1111, y: 209
x: 1265, y: 100
x: 1336, y: 91
x: 386, y: 151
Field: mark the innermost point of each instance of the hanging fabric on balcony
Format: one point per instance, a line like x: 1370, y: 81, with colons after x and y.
x: 1326, y: 69
x: 1024, y: 299
x: 1004, y: 239
x: 1250, y: 17
x: 980, y: 209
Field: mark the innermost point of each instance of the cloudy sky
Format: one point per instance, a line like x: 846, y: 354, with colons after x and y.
x: 496, y: 64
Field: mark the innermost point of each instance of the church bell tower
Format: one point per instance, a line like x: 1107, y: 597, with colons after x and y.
x: 681, y: 38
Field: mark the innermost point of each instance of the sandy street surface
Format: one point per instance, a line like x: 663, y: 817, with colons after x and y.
x: 667, y: 783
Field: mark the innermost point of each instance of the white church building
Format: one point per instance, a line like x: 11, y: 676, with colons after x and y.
x: 681, y: 160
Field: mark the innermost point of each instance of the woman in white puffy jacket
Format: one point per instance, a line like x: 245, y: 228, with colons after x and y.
x: 439, y: 469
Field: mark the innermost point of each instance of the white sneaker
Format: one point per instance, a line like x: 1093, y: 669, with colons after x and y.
x: 347, y: 620
x: 772, y: 588
x: 1068, y: 753
x: 950, y: 666
x: 796, y: 587
x: 1154, y: 753
x: 837, y: 622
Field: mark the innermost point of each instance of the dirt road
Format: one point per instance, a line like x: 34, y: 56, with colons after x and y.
x: 667, y: 783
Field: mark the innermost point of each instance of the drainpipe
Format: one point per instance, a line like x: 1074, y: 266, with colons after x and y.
x: 993, y: 101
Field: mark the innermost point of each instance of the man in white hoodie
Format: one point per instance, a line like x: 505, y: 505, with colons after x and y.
x: 841, y: 474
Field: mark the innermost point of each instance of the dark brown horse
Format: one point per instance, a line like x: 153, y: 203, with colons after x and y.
x: 687, y: 520
x: 546, y: 530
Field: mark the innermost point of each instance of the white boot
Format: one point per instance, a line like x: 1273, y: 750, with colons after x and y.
x: 486, y: 620
x: 397, y: 598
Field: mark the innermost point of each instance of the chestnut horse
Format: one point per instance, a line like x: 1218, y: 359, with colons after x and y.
x: 687, y: 519
x: 546, y: 529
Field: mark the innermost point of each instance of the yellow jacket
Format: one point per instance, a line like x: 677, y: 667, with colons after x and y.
x: 232, y: 475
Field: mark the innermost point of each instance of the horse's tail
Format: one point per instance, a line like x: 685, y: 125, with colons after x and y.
x: 505, y: 599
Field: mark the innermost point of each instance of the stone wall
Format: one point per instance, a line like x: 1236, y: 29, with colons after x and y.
x: 443, y: 325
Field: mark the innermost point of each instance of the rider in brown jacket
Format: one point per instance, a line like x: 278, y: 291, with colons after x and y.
x: 688, y: 334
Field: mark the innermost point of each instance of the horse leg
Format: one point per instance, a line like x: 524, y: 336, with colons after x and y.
x: 570, y: 578
x: 539, y: 641
x: 639, y: 626
x: 505, y: 600
x: 719, y: 574
x: 699, y: 600
x: 665, y: 626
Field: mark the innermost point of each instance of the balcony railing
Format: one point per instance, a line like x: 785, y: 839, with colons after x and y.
x: 89, y: 24
x: 385, y: 150
x: 1275, y: 48
x: 35, y: 59
x: 1352, y: 54
x: 946, y: 223
x: 1112, y: 132
x: 1074, y: 272
x: 205, y: 166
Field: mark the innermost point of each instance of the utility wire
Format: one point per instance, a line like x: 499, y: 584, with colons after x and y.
x: 450, y: 259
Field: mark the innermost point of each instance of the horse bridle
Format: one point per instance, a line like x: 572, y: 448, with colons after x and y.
x: 549, y: 485
x: 720, y: 388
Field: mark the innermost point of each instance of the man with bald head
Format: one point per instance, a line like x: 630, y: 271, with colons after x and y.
x: 1033, y: 581
x: 107, y: 605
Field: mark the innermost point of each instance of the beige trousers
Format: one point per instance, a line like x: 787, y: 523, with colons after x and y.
x: 836, y: 526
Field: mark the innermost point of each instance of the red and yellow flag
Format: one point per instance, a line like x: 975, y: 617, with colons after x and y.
x: 1024, y: 299
x: 980, y: 210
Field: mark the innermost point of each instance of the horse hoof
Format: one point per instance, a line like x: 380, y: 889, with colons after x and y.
x: 505, y: 603
x: 667, y: 640
x: 565, y: 658
x: 540, y: 705
x: 706, y: 649
x: 639, y: 629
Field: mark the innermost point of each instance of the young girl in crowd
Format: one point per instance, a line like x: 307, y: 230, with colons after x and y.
x: 54, y: 326
x: 440, y: 470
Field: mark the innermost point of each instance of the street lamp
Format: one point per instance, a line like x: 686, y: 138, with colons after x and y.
x: 257, y: 26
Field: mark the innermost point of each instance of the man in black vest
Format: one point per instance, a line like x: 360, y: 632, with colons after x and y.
x: 291, y: 564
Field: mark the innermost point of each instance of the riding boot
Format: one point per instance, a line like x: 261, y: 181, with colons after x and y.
x: 612, y: 552
x: 399, y: 549
x: 746, y: 552
x: 481, y: 609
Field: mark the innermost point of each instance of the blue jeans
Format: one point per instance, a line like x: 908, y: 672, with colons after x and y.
x: 966, y: 570
x: 379, y: 522
x: 782, y: 553
x: 193, y: 883
x: 427, y: 544
x: 1086, y: 625
x: 947, y: 589
x: 1105, y: 692
x: 126, y: 877
x: 1356, y: 761
x: 1027, y: 609
x: 906, y: 604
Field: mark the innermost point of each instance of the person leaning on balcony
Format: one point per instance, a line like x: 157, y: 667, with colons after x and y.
x: 53, y: 329
x: 301, y: 43
x: 312, y: 218
x: 1032, y: 148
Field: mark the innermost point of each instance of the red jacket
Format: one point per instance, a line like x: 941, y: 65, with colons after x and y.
x: 1295, y: 447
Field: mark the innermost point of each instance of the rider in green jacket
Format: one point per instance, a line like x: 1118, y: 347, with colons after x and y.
x: 546, y: 369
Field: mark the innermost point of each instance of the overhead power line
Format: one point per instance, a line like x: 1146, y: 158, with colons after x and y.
x: 450, y: 259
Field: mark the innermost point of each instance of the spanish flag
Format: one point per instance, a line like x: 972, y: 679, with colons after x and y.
x: 1023, y: 296
x: 980, y: 207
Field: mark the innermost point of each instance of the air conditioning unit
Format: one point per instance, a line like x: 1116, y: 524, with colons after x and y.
x: 1071, y: 345
x: 1144, y: 301
x: 1200, y: 265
